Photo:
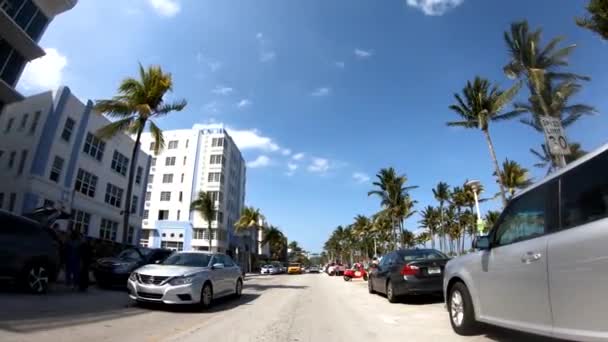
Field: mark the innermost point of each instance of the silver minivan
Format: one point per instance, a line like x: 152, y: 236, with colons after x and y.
x: 543, y: 268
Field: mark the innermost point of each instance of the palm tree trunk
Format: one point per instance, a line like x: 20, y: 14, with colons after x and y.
x: 209, y: 231
x: 127, y: 211
x: 496, y: 167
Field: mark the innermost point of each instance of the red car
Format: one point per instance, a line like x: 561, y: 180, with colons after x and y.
x: 357, y: 271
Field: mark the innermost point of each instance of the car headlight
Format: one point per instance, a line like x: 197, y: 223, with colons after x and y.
x: 181, y: 280
x: 133, y: 276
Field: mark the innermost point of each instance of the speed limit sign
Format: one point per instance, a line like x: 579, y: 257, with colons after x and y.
x: 554, y: 135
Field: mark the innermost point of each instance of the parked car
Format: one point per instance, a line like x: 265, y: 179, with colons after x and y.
x: 294, y: 268
x: 542, y: 268
x: 187, y: 278
x: 115, y: 271
x: 337, y: 270
x: 314, y: 269
x: 30, y: 252
x: 269, y: 269
x: 408, y: 272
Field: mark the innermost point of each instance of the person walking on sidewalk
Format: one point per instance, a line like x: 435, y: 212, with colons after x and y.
x: 72, y: 259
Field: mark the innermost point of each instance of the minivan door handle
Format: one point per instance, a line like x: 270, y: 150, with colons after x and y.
x: 531, y: 257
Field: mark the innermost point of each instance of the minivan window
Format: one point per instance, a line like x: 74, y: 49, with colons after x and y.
x: 584, y: 195
x: 525, y: 217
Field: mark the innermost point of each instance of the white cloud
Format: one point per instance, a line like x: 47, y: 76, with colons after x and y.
x: 363, y: 53
x: 252, y: 139
x: 220, y: 90
x: 212, y: 64
x: 212, y: 107
x: 243, y: 103
x: 45, y: 72
x: 434, y: 7
x: 340, y: 64
x: 267, y: 54
x: 165, y: 8
x: 291, y: 167
x: 322, y: 91
x: 319, y: 165
x: 360, y: 177
x: 259, y: 36
x: 285, y: 151
x: 260, y: 161
x: 298, y: 156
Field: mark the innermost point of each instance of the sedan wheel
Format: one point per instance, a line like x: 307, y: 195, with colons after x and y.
x: 206, y: 296
x: 370, y: 287
x: 37, y: 279
x: 390, y: 292
x: 462, y: 314
x: 239, y: 288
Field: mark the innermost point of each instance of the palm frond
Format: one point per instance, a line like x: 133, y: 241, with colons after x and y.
x: 167, y: 108
x: 114, y: 108
x: 157, y: 135
x: 112, y: 129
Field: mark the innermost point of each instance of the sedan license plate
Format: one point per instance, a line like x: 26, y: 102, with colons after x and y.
x: 434, y: 270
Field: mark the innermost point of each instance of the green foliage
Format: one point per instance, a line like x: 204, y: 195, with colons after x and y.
x: 250, y: 218
x: 597, y: 18
x: 203, y: 204
x: 514, y: 177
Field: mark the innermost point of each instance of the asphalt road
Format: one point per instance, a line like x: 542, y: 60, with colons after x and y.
x: 310, y: 307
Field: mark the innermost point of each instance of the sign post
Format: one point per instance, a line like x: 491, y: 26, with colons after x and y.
x: 555, y: 138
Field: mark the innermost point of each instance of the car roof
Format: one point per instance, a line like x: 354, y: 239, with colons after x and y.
x: 19, y: 217
x: 198, y: 252
x: 568, y: 167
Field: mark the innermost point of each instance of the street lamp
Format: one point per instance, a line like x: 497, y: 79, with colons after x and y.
x: 475, y: 185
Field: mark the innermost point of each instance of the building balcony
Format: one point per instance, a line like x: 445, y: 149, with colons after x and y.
x: 53, y: 7
x: 8, y: 94
x: 18, y: 38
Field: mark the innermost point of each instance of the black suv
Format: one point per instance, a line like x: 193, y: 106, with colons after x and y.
x: 116, y: 270
x: 29, y: 252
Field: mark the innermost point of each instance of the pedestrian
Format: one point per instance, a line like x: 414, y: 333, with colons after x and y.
x: 72, y: 259
x: 86, y: 255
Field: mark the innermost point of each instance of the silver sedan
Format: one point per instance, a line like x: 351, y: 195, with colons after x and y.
x: 187, y: 278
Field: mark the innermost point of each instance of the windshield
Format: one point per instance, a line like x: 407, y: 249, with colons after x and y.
x: 423, y: 255
x: 129, y: 255
x: 188, y: 259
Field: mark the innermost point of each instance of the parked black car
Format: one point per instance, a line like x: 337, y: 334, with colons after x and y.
x: 408, y: 272
x: 29, y: 252
x: 115, y: 271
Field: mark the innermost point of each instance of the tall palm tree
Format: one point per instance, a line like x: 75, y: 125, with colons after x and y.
x: 442, y: 195
x: 491, y: 218
x: 431, y: 221
x: 249, y: 220
x: 408, y: 239
x: 138, y: 102
x: 205, y: 206
x: 275, y: 239
x: 514, y: 177
x: 545, y: 159
x: 483, y: 103
x: 597, y: 18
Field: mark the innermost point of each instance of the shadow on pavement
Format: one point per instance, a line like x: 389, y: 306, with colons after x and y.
x: 421, y: 300
x: 61, y: 307
x: 220, y: 304
x: 506, y: 335
x: 263, y: 287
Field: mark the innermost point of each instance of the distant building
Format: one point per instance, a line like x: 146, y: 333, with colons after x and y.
x: 22, y: 23
x: 50, y: 156
x: 204, y: 158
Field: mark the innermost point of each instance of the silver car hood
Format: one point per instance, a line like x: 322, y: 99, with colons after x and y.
x: 169, y: 270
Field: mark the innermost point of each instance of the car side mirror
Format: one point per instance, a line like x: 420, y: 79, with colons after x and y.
x: 217, y: 266
x: 482, y: 243
x: 157, y: 261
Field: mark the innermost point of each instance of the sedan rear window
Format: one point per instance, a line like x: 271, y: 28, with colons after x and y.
x: 422, y: 255
x: 188, y: 259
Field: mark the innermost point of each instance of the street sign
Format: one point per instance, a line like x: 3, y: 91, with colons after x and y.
x: 554, y: 135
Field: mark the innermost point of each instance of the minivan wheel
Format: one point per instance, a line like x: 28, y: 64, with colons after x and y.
x: 390, y: 292
x: 36, y: 278
x: 462, y: 313
x: 238, y: 291
x: 206, y: 296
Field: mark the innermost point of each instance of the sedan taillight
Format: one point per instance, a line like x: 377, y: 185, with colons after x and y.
x: 410, y: 270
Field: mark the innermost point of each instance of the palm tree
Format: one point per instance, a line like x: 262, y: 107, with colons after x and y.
x: 431, y: 221
x: 422, y: 238
x: 205, y: 206
x: 249, y: 220
x: 483, y: 103
x: 408, y: 239
x: 491, y: 218
x: 597, y: 20
x: 138, y: 103
x: 275, y: 239
x: 545, y: 159
x: 514, y: 177
x: 442, y: 195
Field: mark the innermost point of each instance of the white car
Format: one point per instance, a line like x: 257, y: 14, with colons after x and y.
x: 269, y: 269
x: 187, y: 278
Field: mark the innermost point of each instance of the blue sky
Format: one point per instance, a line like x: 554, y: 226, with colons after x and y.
x: 322, y: 94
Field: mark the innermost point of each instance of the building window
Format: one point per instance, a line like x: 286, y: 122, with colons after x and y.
x: 179, y: 214
x: 217, y: 196
x: 23, y: 122
x: 81, y: 221
x: 219, y: 216
x: 35, y: 122
x: 187, y: 140
x: 9, y: 124
x: 22, y: 162
x: 170, y: 161
x: 153, y: 162
x: 152, y: 146
x: 11, y: 159
x: 113, y: 195
x: 146, y: 214
x: 216, y: 159
x: 134, y: 203
x: 172, y: 144
x: 165, y: 195
x: 217, y: 142
x: 108, y: 230
x: 11, y: 201
x: 130, y: 234
x: 138, y: 174
x: 148, y: 196
x: 68, y: 128
x: 86, y: 183
x: 37, y: 25
x: 180, y: 196
x: 120, y: 163
x: 172, y: 245
x: 150, y: 179
x: 56, y: 169
x: 215, y: 177
x: 168, y: 178
x: 182, y: 177
x: 163, y: 215
x: 94, y: 147
x: 198, y: 233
